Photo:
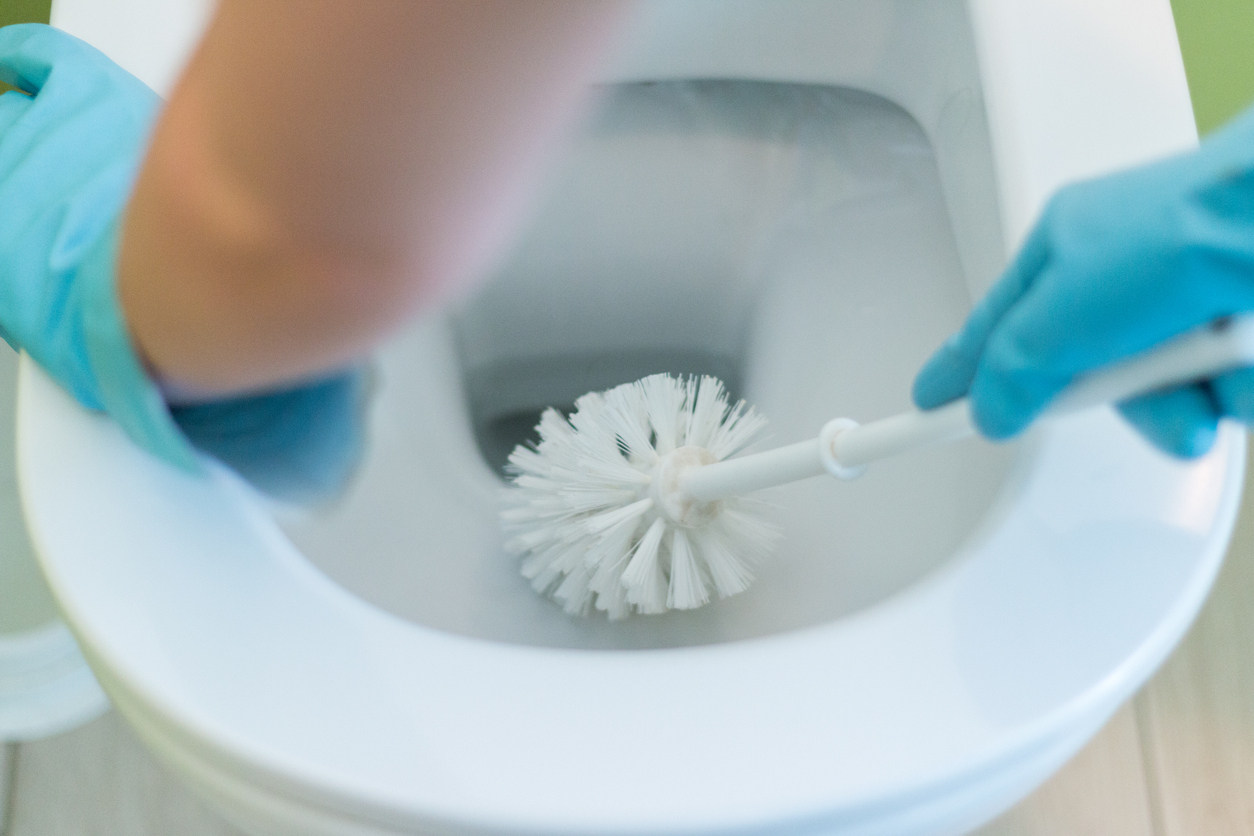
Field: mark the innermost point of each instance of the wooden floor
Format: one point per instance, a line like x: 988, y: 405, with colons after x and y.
x: 1176, y: 761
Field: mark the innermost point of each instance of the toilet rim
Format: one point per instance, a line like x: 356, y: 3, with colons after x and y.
x: 140, y: 620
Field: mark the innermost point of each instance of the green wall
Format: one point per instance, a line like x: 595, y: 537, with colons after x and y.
x: 25, y: 11
x: 1217, y: 38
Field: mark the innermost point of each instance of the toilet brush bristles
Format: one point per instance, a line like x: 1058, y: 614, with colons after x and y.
x: 584, y: 520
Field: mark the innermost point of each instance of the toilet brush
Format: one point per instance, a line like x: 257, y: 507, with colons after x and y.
x: 635, y: 504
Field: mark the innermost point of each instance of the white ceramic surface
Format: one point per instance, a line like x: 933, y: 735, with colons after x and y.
x: 921, y: 702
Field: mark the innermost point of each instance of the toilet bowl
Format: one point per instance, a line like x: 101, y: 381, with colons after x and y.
x: 803, y: 198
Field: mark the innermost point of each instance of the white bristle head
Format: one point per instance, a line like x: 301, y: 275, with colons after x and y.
x: 581, y: 517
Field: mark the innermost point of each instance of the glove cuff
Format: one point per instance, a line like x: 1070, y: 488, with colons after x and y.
x: 125, y: 390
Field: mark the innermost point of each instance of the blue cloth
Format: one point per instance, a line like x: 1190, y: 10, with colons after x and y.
x: 70, y: 147
x: 1114, y: 266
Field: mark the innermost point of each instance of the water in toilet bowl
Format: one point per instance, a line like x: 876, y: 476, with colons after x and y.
x: 790, y: 239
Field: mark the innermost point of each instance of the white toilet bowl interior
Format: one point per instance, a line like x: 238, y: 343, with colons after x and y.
x: 792, y: 239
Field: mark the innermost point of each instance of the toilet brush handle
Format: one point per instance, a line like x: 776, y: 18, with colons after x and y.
x: 1223, y: 345
x: 844, y: 448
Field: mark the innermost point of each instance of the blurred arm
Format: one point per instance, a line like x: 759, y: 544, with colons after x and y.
x: 326, y: 168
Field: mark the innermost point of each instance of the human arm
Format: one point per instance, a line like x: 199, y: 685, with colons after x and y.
x: 324, y: 169
x: 71, y: 142
x: 71, y: 137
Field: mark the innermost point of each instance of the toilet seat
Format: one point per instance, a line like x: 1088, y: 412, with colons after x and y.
x: 1079, y: 583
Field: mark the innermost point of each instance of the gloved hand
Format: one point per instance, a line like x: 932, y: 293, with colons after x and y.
x: 1114, y: 266
x: 69, y: 152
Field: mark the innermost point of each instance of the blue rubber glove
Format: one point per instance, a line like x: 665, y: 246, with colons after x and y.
x: 301, y: 444
x: 1116, y: 265
x: 69, y: 153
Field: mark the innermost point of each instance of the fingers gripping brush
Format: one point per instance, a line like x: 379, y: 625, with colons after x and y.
x: 636, y: 503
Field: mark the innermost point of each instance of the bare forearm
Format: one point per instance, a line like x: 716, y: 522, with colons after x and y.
x: 325, y: 168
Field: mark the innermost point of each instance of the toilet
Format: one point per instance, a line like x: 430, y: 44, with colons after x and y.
x: 803, y: 199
